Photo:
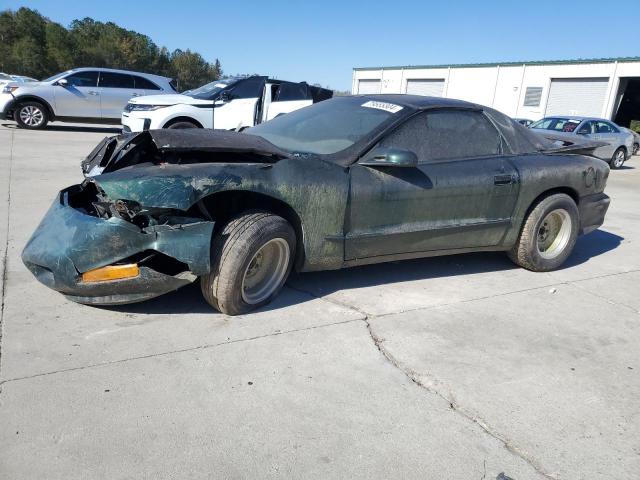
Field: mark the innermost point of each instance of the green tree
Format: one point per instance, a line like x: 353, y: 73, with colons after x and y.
x: 33, y: 45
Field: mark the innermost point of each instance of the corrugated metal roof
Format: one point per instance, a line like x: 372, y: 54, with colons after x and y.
x: 577, y: 61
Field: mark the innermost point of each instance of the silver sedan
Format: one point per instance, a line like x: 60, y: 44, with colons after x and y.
x: 619, y: 141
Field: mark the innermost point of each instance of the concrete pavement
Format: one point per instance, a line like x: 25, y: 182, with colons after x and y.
x: 452, y: 367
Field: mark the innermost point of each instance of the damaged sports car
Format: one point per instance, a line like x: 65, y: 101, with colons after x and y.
x: 348, y: 181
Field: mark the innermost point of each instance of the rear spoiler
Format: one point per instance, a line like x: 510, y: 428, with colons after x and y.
x: 557, y: 142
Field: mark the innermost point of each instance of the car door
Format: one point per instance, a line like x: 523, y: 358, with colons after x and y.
x: 239, y: 104
x: 115, y: 91
x: 288, y: 97
x: 606, y: 132
x: 461, y: 194
x: 79, y: 97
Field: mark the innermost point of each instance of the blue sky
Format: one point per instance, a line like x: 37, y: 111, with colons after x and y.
x: 321, y: 41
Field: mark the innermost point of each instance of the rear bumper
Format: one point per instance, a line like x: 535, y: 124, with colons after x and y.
x: 593, y: 209
x: 69, y: 242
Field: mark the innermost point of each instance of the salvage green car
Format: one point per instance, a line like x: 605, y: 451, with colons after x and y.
x: 348, y: 181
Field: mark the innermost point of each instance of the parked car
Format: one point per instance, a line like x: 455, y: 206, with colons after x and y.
x: 232, y: 103
x: 524, y: 121
x: 22, y: 79
x: 348, y: 181
x: 636, y: 139
x: 619, y: 143
x: 93, y: 95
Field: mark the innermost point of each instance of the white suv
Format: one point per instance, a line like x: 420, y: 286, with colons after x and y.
x: 88, y: 95
x: 232, y: 103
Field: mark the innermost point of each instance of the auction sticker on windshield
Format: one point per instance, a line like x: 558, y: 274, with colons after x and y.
x: 387, y: 107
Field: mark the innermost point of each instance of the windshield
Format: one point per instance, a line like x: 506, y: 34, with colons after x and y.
x: 208, y: 91
x: 4, y: 76
x: 326, y: 127
x: 557, y: 124
x: 57, y: 76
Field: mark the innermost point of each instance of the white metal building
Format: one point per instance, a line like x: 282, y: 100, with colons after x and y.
x: 608, y: 87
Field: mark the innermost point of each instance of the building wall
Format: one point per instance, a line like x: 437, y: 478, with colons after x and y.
x: 504, y: 87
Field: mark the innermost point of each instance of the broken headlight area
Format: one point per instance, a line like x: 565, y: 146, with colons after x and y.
x: 91, y: 200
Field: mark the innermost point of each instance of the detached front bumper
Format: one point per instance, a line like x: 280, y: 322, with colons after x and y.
x: 69, y: 242
x: 592, y: 209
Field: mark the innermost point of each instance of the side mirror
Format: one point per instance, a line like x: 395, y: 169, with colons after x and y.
x: 62, y: 82
x: 389, y: 157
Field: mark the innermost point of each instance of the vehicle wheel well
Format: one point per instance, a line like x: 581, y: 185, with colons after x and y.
x: 33, y: 98
x: 182, y: 119
x: 566, y: 190
x: 223, y: 206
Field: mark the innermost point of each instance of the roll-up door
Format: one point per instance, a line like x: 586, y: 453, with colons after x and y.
x: 431, y: 88
x: 368, y: 86
x: 577, y: 96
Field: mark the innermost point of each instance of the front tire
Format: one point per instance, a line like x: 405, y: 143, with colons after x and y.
x: 31, y: 115
x: 548, y: 235
x: 250, y: 261
x: 618, y: 158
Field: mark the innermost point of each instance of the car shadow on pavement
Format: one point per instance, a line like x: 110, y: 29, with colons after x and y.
x: 305, y: 286
x: 73, y: 128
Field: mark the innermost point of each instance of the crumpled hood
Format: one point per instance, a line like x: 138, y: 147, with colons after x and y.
x: 175, y: 146
x: 173, y: 99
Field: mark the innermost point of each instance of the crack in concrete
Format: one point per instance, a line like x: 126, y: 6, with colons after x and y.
x: 414, y: 377
x: 5, y: 254
x: 170, y: 352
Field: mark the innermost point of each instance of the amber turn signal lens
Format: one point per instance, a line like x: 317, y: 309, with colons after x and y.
x: 111, y: 272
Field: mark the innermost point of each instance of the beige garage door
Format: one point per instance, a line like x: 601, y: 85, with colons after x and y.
x: 577, y: 96
x: 368, y: 86
x: 430, y: 88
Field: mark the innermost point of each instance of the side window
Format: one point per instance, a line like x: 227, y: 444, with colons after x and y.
x: 586, y: 128
x: 446, y: 134
x: 115, y: 80
x: 606, y: 127
x: 144, y: 84
x: 289, y: 92
x: 83, y: 79
x: 249, y: 88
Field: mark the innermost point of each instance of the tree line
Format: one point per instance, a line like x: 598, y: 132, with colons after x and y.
x: 33, y: 45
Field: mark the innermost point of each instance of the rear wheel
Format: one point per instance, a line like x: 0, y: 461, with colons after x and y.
x: 636, y: 146
x: 31, y: 115
x: 183, y: 124
x: 548, y: 235
x: 251, y: 259
x: 618, y: 158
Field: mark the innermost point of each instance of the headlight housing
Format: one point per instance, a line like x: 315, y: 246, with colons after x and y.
x: 10, y: 88
x: 141, y: 107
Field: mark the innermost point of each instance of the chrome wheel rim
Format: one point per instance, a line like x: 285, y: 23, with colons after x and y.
x: 265, y: 271
x: 554, y: 234
x: 31, y: 116
x: 619, y: 159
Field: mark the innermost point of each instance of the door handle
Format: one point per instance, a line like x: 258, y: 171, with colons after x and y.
x: 503, y: 179
x: 92, y: 92
x: 136, y: 94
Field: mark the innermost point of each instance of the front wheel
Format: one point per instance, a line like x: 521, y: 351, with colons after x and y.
x: 251, y: 259
x: 618, y: 158
x: 548, y: 235
x: 31, y: 115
